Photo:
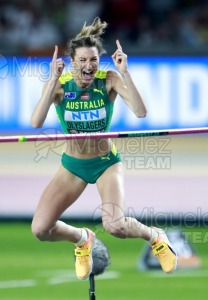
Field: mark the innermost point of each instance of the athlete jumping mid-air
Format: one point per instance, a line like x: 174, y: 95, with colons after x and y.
x: 87, y: 91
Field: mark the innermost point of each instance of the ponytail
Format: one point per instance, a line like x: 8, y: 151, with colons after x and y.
x: 89, y: 36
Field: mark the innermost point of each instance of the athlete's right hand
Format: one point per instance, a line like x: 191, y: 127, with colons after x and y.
x: 57, y: 65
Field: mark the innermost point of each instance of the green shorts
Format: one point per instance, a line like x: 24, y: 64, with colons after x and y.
x: 90, y: 169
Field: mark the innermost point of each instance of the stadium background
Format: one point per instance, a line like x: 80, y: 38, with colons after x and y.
x: 167, y: 48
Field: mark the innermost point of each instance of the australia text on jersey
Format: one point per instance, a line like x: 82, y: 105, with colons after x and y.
x: 79, y: 105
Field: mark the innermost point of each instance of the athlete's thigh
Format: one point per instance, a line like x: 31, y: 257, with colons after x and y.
x: 111, y: 189
x: 61, y: 192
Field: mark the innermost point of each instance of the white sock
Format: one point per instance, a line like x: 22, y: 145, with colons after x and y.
x: 84, y: 237
x: 154, y: 234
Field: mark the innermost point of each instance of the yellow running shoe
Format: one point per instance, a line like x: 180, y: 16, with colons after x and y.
x: 83, y: 254
x: 165, y: 253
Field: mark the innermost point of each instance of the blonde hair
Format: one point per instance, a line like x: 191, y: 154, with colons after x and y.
x: 89, y: 36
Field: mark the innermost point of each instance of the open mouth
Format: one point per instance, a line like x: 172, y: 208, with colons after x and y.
x: 88, y: 75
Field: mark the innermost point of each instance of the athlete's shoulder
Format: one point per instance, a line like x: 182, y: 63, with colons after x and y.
x: 102, y: 74
x: 112, y: 73
x: 113, y: 76
x: 65, y: 77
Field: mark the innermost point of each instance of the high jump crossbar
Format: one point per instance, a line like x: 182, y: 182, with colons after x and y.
x: 103, y: 135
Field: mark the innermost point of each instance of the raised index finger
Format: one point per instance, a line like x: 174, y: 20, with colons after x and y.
x: 55, y: 54
x: 118, y: 45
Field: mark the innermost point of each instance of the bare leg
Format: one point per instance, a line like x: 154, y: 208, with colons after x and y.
x: 61, y: 193
x: 111, y: 188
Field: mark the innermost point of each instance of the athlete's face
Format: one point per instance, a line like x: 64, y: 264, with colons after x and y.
x: 85, y: 63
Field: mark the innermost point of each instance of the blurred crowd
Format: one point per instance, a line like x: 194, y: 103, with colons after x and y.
x: 35, y: 26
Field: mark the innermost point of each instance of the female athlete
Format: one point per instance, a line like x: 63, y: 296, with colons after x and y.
x: 84, y: 100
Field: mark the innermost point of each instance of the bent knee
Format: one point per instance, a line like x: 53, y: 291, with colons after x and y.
x: 40, y: 232
x: 116, y: 230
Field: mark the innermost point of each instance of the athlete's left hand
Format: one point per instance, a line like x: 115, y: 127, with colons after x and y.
x: 120, y: 59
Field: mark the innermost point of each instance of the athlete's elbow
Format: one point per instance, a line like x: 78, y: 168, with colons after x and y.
x: 35, y: 123
x: 141, y: 114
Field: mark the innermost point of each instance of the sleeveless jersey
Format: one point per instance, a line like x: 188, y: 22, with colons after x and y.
x: 85, y: 110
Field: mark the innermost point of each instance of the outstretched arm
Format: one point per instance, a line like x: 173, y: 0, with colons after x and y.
x: 49, y: 92
x: 123, y: 84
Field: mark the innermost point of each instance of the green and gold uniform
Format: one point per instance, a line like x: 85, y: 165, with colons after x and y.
x: 86, y: 111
